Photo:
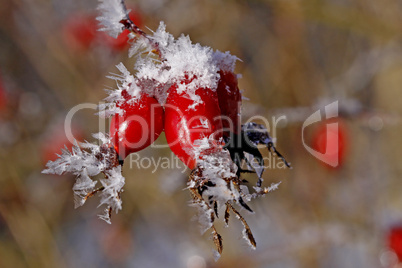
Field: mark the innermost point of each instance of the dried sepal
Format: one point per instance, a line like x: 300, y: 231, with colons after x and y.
x: 273, y: 150
x: 107, y: 215
x: 227, y: 215
x: 113, y: 186
x: 205, y: 209
x: 210, y: 213
x: 247, y: 234
x: 215, y: 181
x: 217, y: 240
x: 216, y: 208
x: 259, y: 191
x: 258, y: 134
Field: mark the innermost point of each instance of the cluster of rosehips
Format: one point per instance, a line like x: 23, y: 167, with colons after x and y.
x: 143, y: 119
x: 189, y: 92
x: 216, y: 116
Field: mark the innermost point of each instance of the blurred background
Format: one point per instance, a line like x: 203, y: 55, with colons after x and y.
x: 297, y: 57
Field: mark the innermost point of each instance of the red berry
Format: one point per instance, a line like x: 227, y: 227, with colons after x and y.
x: 229, y: 97
x: 138, y: 126
x: 395, y: 241
x: 3, y: 99
x: 81, y: 31
x: 119, y: 43
x: 330, y: 140
x: 184, y: 124
x: 55, y: 139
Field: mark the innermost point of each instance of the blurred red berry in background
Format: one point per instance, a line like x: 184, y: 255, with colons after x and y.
x: 395, y: 241
x: 81, y: 32
x: 56, y: 139
x: 3, y: 98
x: 331, y: 141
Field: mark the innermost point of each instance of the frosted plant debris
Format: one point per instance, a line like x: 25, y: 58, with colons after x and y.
x: 89, y: 160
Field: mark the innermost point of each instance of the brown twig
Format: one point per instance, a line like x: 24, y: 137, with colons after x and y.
x: 132, y: 27
x: 93, y: 193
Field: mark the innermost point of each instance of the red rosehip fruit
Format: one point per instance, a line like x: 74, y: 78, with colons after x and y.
x: 56, y: 139
x: 395, y: 241
x: 185, y: 122
x: 330, y: 141
x: 3, y: 99
x: 81, y: 31
x: 139, y: 125
x: 229, y: 98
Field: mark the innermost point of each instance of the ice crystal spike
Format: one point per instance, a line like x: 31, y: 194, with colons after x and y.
x: 112, y: 12
x: 126, y: 82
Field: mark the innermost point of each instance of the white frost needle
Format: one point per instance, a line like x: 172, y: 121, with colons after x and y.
x: 112, y: 12
x: 88, y: 161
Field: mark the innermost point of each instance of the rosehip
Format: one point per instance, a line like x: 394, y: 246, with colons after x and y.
x: 121, y: 42
x: 81, y: 31
x: 55, y: 139
x: 395, y: 241
x: 138, y: 126
x: 184, y: 124
x: 3, y: 99
x: 229, y: 98
x: 331, y: 141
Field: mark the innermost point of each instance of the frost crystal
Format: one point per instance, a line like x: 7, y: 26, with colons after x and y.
x: 112, y: 12
x: 217, y: 167
x: 87, y: 163
x: 217, y: 255
x: 214, y: 183
x: 182, y: 60
x: 76, y: 162
x: 225, y: 61
x: 125, y: 82
x: 112, y: 187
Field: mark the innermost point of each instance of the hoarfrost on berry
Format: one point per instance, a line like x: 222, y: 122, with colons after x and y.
x: 189, y: 66
x: 125, y: 82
